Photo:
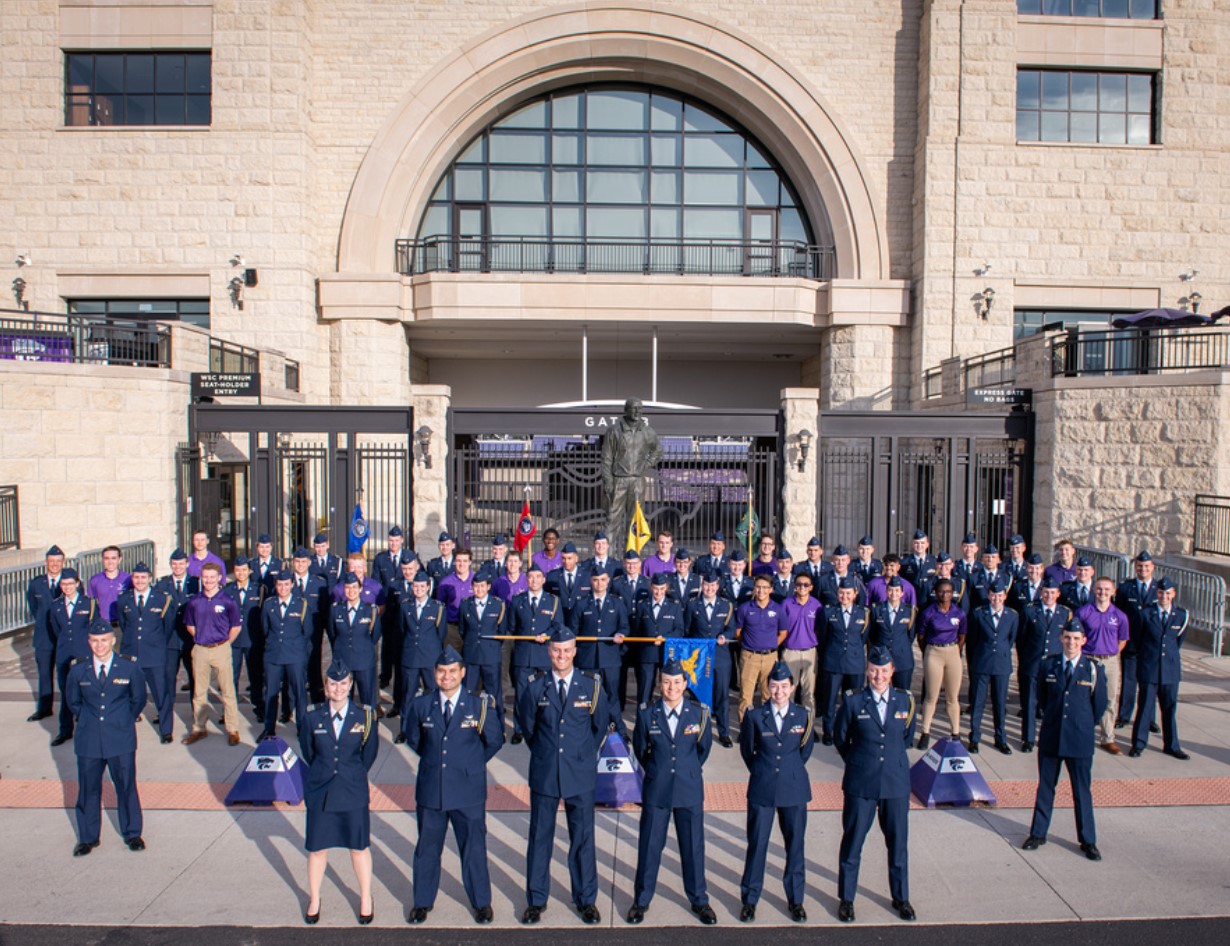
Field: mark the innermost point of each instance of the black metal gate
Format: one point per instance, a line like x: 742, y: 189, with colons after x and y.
x: 293, y: 472
x: 712, y: 464
x: 889, y: 474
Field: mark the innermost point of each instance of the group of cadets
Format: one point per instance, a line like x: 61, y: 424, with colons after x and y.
x: 832, y: 638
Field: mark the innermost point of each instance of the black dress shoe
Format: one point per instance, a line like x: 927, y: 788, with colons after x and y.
x: 747, y: 913
x: 484, y: 914
x: 186, y: 688
x: 904, y: 910
x: 399, y: 738
x: 1134, y: 753
x: 35, y: 717
x: 826, y: 739
x: 973, y: 748
x: 365, y: 919
x: 419, y: 915
x: 1155, y: 729
x: 797, y: 913
x: 531, y: 915
x: 590, y: 914
x: 1120, y: 723
x: 267, y: 734
x: 167, y: 739
x: 1178, y: 754
x: 636, y: 914
x: 924, y: 740
x: 60, y: 739
x: 705, y: 912
x: 1027, y: 746
x: 392, y: 714
x: 1092, y: 852
x: 135, y: 844
x: 259, y: 715
x: 311, y: 919
x: 284, y: 718
x: 1032, y: 843
x: 517, y: 739
x: 82, y: 849
x: 725, y: 741
x: 1004, y: 748
x: 845, y: 911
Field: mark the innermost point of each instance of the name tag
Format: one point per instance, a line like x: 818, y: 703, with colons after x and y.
x: 1052, y: 679
x: 427, y: 724
x: 320, y: 730
x: 654, y: 731
x: 1085, y: 683
x: 864, y: 716
x: 357, y: 727
x: 544, y: 702
x: 365, y: 620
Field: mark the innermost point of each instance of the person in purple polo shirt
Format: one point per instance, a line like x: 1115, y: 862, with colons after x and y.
x: 663, y: 560
x: 1064, y: 567
x: 799, y: 649
x: 877, y: 588
x: 941, y: 634
x: 549, y: 558
x: 213, y: 621
x: 201, y: 554
x: 760, y: 628
x: 107, y: 586
x: 453, y: 589
x: 512, y: 582
x: 1106, y: 634
x: 370, y: 591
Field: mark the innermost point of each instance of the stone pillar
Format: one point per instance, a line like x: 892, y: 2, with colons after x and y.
x: 801, y: 411
x: 858, y: 368
x: 430, y: 495
x: 369, y: 363
x: 189, y: 347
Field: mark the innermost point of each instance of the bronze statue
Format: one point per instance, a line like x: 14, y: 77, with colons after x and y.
x: 630, y: 450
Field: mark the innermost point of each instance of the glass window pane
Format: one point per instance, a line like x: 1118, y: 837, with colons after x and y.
x: 621, y: 150
x: 665, y: 187
x: 169, y: 72
x: 666, y: 113
x: 1055, y: 90
x: 1140, y: 130
x: 667, y: 150
x: 1084, y: 126
x: 1026, y: 126
x: 476, y: 153
x: 712, y: 224
x: 468, y: 184
x: 1054, y: 126
x: 711, y: 187
x: 762, y: 188
x: 521, y: 186
x: 435, y: 222
x: 1112, y: 93
x: 790, y: 227
x: 713, y: 151
x: 1028, y: 86
x: 566, y: 111
x: 696, y: 118
x: 1086, y: 7
x: 109, y: 74
x: 80, y: 72
x: 1084, y: 92
x: 616, y: 187
x: 567, y: 186
x: 1028, y: 6
x: 140, y: 75
x: 617, y: 111
x: 108, y: 109
x: 755, y: 159
x: 198, y: 110
x: 566, y: 221
x: 616, y: 222
x: 518, y: 148
x: 1144, y: 9
x: 196, y: 68
x: 1112, y: 128
x: 1057, y: 7
x: 1140, y: 93
x: 1115, y: 8
x: 664, y: 223
x: 169, y: 109
x: 566, y: 149
x: 518, y: 221
x: 533, y: 115
x: 138, y: 110
x: 442, y: 190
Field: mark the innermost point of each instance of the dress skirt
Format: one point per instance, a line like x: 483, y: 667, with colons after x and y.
x: 346, y: 829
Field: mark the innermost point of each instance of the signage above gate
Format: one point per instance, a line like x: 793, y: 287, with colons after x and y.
x: 596, y: 421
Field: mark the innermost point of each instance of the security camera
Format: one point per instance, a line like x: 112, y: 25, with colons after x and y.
x: 237, y: 260
x: 24, y: 260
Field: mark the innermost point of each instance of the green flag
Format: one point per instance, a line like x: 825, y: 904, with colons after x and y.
x: 748, y: 530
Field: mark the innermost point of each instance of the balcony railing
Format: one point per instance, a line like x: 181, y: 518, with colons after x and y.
x: 10, y: 521
x: 1134, y: 351
x: 993, y: 369
x: 933, y: 383
x: 37, y: 336
x: 445, y: 254
x: 291, y: 375
x: 1211, y: 528
x: 228, y: 358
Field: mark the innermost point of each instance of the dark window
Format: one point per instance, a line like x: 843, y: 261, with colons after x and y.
x: 1028, y: 322
x: 1124, y: 9
x: 191, y: 311
x: 1086, y: 107
x: 137, y: 88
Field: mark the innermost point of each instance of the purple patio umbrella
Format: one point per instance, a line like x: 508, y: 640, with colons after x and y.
x: 1161, y: 318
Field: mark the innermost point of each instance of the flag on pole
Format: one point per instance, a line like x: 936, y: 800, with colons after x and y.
x: 696, y: 656
x: 357, y: 537
x: 638, y: 530
x: 525, y: 528
x: 748, y: 529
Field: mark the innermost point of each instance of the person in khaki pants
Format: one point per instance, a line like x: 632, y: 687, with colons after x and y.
x: 213, y: 622
x: 760, y: 628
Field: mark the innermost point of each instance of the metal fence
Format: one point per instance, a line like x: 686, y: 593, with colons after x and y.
x: 933, y: 383
x: 990, y: 370
x: 1133, y: 351
x: 229, y: 358
x: 291, y: 375
x: 10, y: 519
x: 1211, y: 532
x: 1113, y: 565
x: 14, y: 613
x: 74, y: 339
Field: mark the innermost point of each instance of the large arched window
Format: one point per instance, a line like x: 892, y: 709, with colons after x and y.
x: 616, y: 179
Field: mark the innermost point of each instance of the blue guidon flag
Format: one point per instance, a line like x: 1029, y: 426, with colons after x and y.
x: 357, y: 536
x: 696, y: 656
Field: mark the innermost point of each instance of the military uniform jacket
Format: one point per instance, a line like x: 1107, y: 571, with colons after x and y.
x: 1040, y: 638
x: 826, y: 591
x: 865, y: 571
x: 72, y: 634
x: 422, y: 638
x: 817, y: 572
x: 330, y: 572
x: 737, y: 592
x: 437, y: 568
x: 589, y: 621
x: 557, y: 584
x: 699, y: 624
x: 777, y: 763
x: 668, y: 623
x: 528, y: 621
x: 1157, y: 651
x: 563, y: 739
x: 316, y: 593
x: 685, y: 590
x: 963, y: 569
x: 719, y: 565
x: 1069, y: 594
x: 876, y: 762
x: 145, y: 632
x: 264, y: 573
x: 355, y: 644
x: 898, y: 636
x: 249, y: 610
x: 608, y: 567
x: 918, y: 573
x: 40, y: 594
x: 336, y: 778
x: 783, y: 587
x: 107, y: 714
x: 1021, y: 596
x: 179, y: 600
x: 844, y: 649
x: 288, y: 639
x: 473, y: 629
x: 1128, y: 600
x: 630, y: 591
x: 987, y: 647
x: 673, y: 764
x: 386, y: 568
x: 1070, y: 712
x: 452, y: 759
x: 979, y: 584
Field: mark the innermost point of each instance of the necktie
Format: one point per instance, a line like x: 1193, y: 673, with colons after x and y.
x: 563, y: 693
x: 1049, y: 614
x: 243, y: 594
x: 51, y: 583
x: 1165, y: 618
x: 179, y: 587
x: 302, y: 586
x: 598, y: 604
x: 140, y: 602
x: 881, y: 708
x: 533, y: 604
x: 419, y: 611
x: 1067, y: 672
x: 777, y: 721
x: 102, y: 675
x: 320, y: 562
x: 1144, y: 590
x: 448, y: 712
x: 1084, y: 595
x: 568, y: 578
x: 995, y: 620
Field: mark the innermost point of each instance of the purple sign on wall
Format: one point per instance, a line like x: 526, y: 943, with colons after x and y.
x: 36, y: 346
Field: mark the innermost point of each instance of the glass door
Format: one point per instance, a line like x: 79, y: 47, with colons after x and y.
x: 471, y: 236
x: 760, y: 252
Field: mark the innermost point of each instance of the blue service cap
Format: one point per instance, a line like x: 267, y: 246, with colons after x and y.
x: 990, y: 550
x: 1016, y: 539
x: 682, y: 555
x: 179, y: 555
x: 55, y: 550
x: 140, y: 567
x: 942, y: 558
x: 600, y: 535
x: 264, y: 539
x: 411, y: 556
x: 1049, y: 582
x: 445, y: 537
x: 569, y: 548
x: 738, y: 555
x: 241, y: 561
x: 999, y: 586
x: 841, y: 550
x: 320, y: 539
x: 970, y: 539
x: 301, y: 552
x: 879, y: 657
x: 562, y: 635
x: 815, y: 543
x: 350, y: 578
x: 421, y: 576
x: 710, y: 574
x: 783, y: 555
x: 631, y: 554
x: 448, y: 656
x: 1144, y: 556
x: 919, y: 534
x: 500, y: 539
x: 849, y: 582
x: 1166, y: 583
x: 284, y: 574
x: 718, y: 536
x: 338, y: 670
x: 866, y: 540
x: 69, y: 573
x: 780, y: 671
x: 672, y: 668
x: 1084, y: 562
x: 894, y: 582
x: 483, y: 574
x: 395, y: 531
x: 1034, y: 559
x: 660, y: 578
x: 535, y: 567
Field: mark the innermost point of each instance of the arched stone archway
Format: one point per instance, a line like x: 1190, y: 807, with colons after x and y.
x: 625, y: 41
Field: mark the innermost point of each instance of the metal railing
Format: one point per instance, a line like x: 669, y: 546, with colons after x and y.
x: 447, y: 254
x: 990, y: 370
x: 933, y: 383
x: 15, y: 614
x: 1211, y: 531
x: 292, y: 375
x: 1135, y: 351
x: 229, y: 358
x: 1114, y: 565
x: 10, y: 519
x: 74, y: 339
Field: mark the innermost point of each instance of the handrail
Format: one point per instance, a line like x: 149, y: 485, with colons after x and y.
x: 10, y: 518
x: 1139, y: 351
x: 990, y: 369
x: 75, y: 339
x: 232, y: 358
x: 1211, y: 525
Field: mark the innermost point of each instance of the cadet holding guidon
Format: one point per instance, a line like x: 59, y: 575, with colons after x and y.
x: 875, y: 725
x: 776, y: 740
x: 455, y: 732
x: 563, y: 716
x: 149, y: 637
x: 672, y: 741
x: 709, y: 617
x: 659, y: 617
x: 106, y: 693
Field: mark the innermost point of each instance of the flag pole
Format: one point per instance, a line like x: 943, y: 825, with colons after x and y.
x: 750, y: 515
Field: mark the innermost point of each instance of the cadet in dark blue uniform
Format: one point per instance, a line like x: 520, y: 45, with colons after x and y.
x: 315, y: 591
x: 249, y: 646
x: 1159, y: 670
x: 892, y: 627
x: 533, y: 613
x: 661, y: 616
x: 265, y: 564
x: 737, y: 585
x: 1041, y: 636
x: 148, y: 635
x: 398, y: 591
x: 672, y: 740
x: 71, y: 618
x: 843, y: 651
x: 685, y: 584
x: 481, y: 616
x: 709, y: 617
x: 180, y: 587
x: 603, y: 616
x: 919, y: 567
x: 1132, y: 597
x: 563, y: 716
x: 41, y: 593
x: 354, y: 632
x: 631, y: 586
x: 570, y: 582
x: 106, y: 693
x: 286, y: 629
x: 338, y: 741
x: 455, y: 733
x: 1072, y: 691
x: 776, y: 739
x: 422, y: 633
x: 386, y: 569
x: 865, y: 565
x: 875, y: 726
x: 988, y: 645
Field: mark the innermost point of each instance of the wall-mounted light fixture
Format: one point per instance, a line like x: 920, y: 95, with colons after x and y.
x: 804, y: 438
x: 1194, y: 298
x: 423, y: 436
x: 235, y: 288
x: 983, y: 302
x: 209, y: 440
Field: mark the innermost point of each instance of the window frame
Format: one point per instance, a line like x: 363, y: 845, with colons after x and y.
x: 1038, y: 111
x: 84, y: 101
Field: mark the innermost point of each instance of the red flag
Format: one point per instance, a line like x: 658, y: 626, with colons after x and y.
x: 525, y: 528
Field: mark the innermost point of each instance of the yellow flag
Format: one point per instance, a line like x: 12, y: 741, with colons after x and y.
x: 638, y: 530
